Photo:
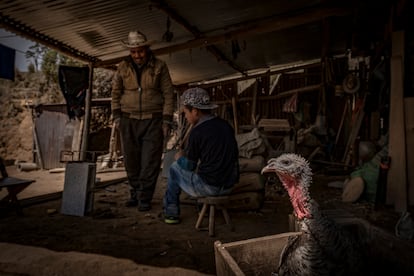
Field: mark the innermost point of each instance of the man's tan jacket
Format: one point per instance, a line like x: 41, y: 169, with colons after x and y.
x: 152, y: 97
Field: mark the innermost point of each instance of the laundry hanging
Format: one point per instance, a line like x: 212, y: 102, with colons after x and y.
x: 74, y: 82
x: 291, y: 104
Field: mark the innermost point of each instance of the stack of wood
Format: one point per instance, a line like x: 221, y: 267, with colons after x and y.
x: 274, y: 125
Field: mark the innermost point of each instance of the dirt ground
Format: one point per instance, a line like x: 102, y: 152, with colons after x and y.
x: 115, y: 230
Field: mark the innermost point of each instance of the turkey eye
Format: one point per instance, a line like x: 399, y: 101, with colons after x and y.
x: 285, y: 162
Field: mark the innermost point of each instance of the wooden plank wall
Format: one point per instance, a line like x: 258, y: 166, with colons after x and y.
x: 259, y: 100
x: 55, y: 133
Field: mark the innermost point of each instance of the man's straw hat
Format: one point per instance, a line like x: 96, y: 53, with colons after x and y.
x: 136, y: 39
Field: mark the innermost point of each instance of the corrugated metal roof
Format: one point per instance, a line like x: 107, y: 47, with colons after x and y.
x: 211, y: 39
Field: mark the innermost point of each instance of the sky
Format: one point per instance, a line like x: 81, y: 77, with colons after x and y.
x: 18, y: 43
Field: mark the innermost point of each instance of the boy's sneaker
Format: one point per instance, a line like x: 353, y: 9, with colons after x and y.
x: 171, y: 220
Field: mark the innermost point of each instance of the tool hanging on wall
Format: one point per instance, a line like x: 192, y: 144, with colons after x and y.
x: 351, y: 84
x: 168, y: 35
x: 235, y: 48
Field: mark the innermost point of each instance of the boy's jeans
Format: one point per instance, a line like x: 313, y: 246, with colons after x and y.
x: 191, y: 183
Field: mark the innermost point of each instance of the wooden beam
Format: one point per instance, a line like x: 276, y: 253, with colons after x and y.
x: 223, y: 59
x: 212, y: 83
x: 160, y: 4
x: 284, y: 94
x: 305, y: 89
x: 397, y: 174
x: 248, y: 29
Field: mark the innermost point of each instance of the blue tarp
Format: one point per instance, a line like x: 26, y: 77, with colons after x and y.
x: 7, y: 58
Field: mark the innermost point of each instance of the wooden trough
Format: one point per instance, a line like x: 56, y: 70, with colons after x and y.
x: 260, y: 256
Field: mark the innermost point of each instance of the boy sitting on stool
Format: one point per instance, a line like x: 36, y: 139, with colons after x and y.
x: 209, y: 165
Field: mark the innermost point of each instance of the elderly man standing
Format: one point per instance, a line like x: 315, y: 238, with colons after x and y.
x: 209, y: 165
x: 142, y: 109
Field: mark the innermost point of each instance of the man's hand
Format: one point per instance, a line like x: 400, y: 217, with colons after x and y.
x: 178, y: 154
x: 166, y: 130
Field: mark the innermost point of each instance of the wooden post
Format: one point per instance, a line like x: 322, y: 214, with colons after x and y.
x: 37, y: 145
x: 88, y: 100
x: 409, y: 132
x: 350, y: 148
x: 236, y: 123
x: 77, y: 140
x: 397, y: 174
x: 254, y: 104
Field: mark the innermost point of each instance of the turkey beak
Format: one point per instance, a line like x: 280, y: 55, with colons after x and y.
x: 266, y: 170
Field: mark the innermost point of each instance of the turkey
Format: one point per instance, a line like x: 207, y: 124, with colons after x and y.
x: 323, y: 248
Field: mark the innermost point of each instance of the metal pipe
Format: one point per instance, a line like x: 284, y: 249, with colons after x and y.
x: 26, y: 167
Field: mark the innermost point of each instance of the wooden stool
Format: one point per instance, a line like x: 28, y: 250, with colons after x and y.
x: 213, y: 202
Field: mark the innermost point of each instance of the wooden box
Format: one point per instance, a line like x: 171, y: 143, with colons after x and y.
x: 385, y: 253
x: 257, y: 256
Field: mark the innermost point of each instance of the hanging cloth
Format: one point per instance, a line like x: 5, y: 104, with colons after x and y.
x: 74, y: 82
x: 291, y: 105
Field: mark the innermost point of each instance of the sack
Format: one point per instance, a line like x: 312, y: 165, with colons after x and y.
x: 250, y: 144
x: 247, y: 201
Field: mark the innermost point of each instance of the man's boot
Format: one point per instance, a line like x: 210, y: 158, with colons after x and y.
x: 133, y: 201
x: 144, y: 205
